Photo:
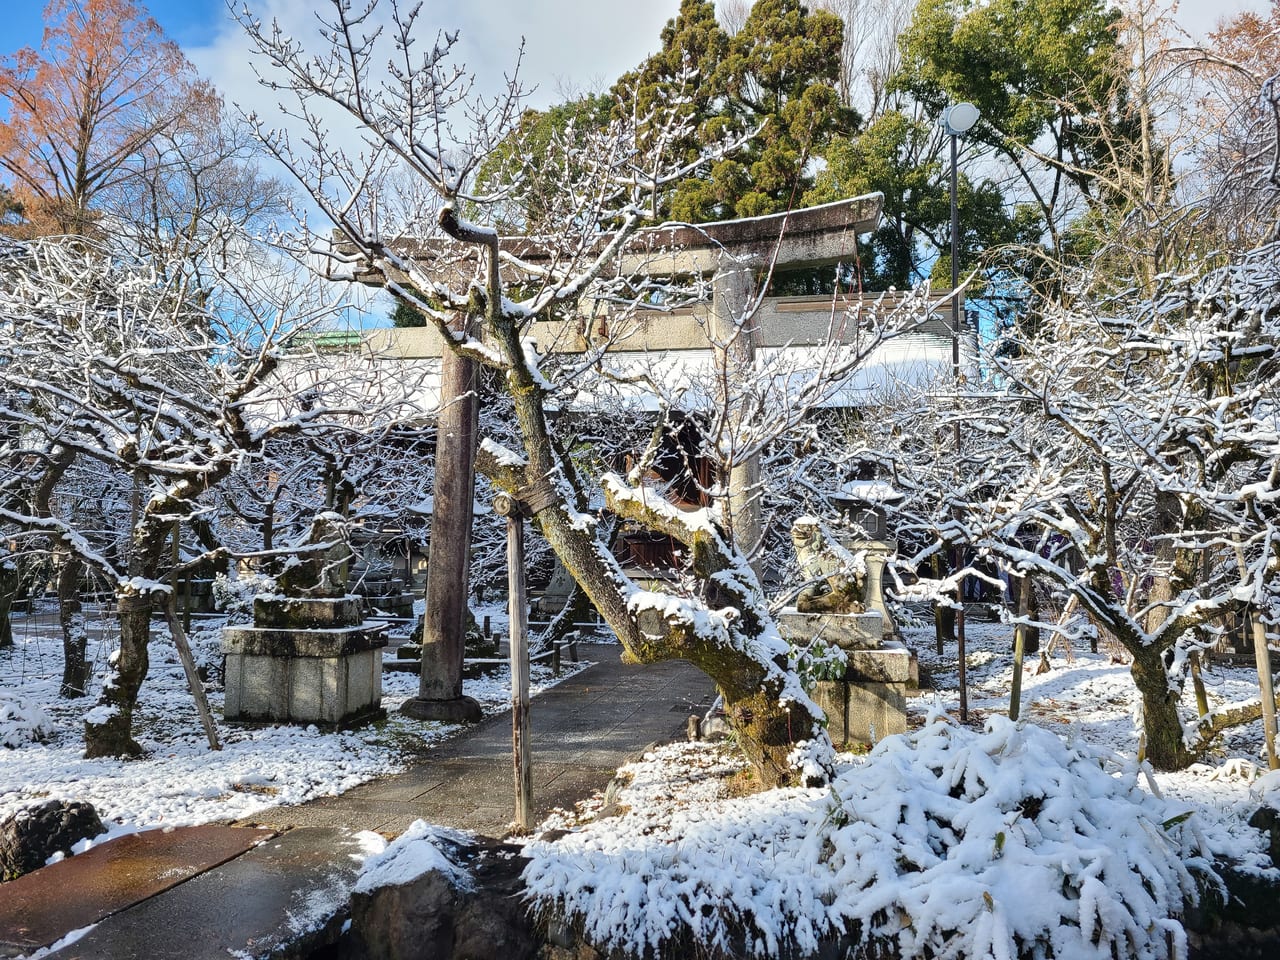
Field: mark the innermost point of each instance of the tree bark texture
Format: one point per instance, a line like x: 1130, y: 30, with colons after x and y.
x: 75, y: 641
x: 8, y: 588
x: 1161, y: 725
x: 110, y: 731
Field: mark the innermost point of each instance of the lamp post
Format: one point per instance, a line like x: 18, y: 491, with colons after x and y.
x: 957, y: 120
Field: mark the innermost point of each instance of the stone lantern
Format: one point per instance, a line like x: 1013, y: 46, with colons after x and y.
x: 308, y: 657
x: 861, y: 505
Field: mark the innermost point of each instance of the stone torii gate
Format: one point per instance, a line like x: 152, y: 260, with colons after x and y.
x: 735, y: 254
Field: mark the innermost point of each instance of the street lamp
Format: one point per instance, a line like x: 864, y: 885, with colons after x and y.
x: 957, y: 120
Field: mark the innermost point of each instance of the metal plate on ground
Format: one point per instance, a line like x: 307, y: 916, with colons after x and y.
x: 45, y: 905
x: 283, y: 899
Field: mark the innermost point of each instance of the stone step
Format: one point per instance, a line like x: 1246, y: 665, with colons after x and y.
x: 47, y: 904
x: 285, y: 898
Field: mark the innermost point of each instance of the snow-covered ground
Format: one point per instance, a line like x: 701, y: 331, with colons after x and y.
x: 1092, y: 696
x: 181, y: 781
x: 1017, y: 837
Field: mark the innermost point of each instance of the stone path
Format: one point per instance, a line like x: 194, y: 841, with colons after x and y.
x: 286, y: 896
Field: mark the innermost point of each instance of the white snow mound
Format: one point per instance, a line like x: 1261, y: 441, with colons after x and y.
x: 22, y: 721
x: 1003, y: 844
x: 419, y: 850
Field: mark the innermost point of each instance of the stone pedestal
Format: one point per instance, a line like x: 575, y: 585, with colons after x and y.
x: 862, y: 712
x: 848, y: 631
x: 870, y: 701
x: 304, y: 660
x: 387, y: 597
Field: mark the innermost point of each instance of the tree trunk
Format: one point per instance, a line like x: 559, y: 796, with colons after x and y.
x: 108, y: 727
x: 752, y: 686
x: 75, y: 640
x: 8, y: 588
x: 1161, y: 726
x: 944, y: 617
x: 1033, y: 611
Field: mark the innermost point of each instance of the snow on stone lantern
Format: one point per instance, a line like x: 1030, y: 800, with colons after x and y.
x: 862, y: 507
x: 308, y: 657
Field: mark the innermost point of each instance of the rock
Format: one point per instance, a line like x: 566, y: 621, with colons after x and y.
x: 432, y: 917
x: 1267, y: 819
x: 1242, y: 925
x: 31, y: 836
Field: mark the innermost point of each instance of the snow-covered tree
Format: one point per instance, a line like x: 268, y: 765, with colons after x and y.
x: 1129, y: 455
x: 423, y: 127
x: 111, y: 363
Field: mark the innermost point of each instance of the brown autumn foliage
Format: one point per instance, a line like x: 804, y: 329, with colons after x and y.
x: 1242, y: 72
x: 104, y: 83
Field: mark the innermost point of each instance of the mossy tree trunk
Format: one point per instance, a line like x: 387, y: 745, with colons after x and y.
x: 1161, y: 723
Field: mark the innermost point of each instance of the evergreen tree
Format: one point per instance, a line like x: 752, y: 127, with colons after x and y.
x: 1034, y: 68
x: 406, y: 315
x: 777, y: 76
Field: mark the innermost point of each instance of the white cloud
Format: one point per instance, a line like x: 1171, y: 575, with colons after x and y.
x: 578, y: 42
x: 1198, y: 17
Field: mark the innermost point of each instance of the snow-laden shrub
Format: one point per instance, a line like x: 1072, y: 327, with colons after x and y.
x: 22, y: 721
x: 949, y: 843
x: 234, y: 595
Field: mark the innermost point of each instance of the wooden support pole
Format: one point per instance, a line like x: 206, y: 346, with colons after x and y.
x: 510, y: 508
x: 189, y: 668
x: 1266, y: 687
x: 1020, y: 647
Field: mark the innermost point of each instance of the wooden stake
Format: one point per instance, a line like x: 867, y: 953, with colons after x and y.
x: 523, y: 763
x: 189, y: 667
x: 1019, y: 647
x: 1266, y: 687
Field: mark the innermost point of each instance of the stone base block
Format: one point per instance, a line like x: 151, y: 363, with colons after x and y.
x: 307, y: 613
x: 330, y: 691
x: 892, y: 663
x: 392, y: 604
x: 848, y: 631
x: 267, y: 641
x: 461, y: 710
x: 862, y: 712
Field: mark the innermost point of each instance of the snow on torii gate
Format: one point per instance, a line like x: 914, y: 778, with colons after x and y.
x: 732, y: 253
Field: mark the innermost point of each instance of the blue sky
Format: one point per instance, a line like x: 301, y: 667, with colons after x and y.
x: 186, y: 21
x: 572, y: 44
